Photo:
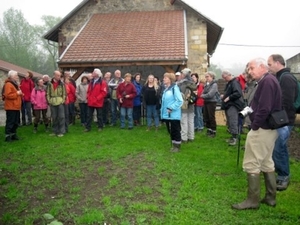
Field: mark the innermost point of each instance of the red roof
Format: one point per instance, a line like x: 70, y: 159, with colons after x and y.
x: 129, y: 36
x: 6, y: 66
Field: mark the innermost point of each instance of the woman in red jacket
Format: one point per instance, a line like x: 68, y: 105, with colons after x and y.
x: 198, y: 119
x: 27, y: 86
x: 126, y: 92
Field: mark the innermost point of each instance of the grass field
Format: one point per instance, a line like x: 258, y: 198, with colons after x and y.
x: 129, y: 177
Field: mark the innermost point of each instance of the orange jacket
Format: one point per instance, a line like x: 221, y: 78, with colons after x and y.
x: 12, y: 100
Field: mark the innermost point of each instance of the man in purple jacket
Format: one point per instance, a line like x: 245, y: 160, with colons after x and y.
x: 261, y: 139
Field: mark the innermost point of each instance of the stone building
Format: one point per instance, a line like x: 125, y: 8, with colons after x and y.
x: 146, y: 36
x: 294, y: 64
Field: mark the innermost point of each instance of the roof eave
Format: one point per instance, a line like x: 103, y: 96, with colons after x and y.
x: 52, y: 34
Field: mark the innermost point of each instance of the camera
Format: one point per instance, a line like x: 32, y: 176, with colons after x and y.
x: 246, y: 111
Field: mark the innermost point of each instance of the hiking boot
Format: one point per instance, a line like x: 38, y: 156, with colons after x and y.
x: 282, y: 185
x: 14, y: 137
x: 8, y: 138
x: 232, y: 141
x: 176, y: 148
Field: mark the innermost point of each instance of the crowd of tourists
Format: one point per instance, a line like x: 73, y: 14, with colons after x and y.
x: 185, y: 102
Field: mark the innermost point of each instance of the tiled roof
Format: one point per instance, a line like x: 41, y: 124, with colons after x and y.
x: 6, y: 66
x: 129, y: 36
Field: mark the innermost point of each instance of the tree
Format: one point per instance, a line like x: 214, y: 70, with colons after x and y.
x: 217, y: 69
x: 50, y: 49
x: 24, y: 45
x: 18, y: 40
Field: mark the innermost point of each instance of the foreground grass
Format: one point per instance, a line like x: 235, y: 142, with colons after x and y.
x: 130, y: 177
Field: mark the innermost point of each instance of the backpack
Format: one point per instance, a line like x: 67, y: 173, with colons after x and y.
x: 297, y: 101
x: 192, y: 98
x: 2, y: 93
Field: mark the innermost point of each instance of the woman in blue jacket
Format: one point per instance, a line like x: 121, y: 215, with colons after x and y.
x: 171, y: 110
x: 137, y: 100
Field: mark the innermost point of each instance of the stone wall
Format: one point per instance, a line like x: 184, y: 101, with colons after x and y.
x: 294, y: 64
x: 196, y: 28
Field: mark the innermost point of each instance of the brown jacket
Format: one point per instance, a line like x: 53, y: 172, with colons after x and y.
x: 12, y: 100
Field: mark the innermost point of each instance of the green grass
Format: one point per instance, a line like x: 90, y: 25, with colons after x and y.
x: 129, y: 177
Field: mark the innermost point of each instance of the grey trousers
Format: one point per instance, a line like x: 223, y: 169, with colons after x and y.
x: 58, y: 119
x: 232, y: 119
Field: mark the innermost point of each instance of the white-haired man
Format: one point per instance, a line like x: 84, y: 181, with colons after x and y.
x: 96, y: 93
x: 186, y: 86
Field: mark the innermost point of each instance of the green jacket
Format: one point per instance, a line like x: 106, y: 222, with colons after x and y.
x: 57, y: 96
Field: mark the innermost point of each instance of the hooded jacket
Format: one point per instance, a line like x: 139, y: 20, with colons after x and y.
x: 39, y: 99
x: 289, y: 89
x: 13, y: 101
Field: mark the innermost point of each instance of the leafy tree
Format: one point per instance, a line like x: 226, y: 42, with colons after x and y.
x: 49, y: 49
x: 217, y: 69
x: 24, y: 45
x: 18, y: 40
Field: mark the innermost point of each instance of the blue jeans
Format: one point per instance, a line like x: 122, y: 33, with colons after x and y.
x: 128, y: 112
x: 281, y: 154
x: 198, y: 119
x: 83, y: 112
x: 114, y: 110
x: 152, y: 113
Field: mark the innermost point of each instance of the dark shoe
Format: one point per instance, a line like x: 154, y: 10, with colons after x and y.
x: 8, y: 139
x: 184, y: 141
x: 282, y: 185
x: 252, y: 201
x: 130, y: 128
x: 176, y: 148
x: 270, y: 183
x: 190, y: 140
x: 232, y: 141
x: 15, y: 137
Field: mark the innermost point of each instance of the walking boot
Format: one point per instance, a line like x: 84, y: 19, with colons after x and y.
x: 270, y: 183
x: 208, y: 132
x: 213, y: 133
x: 252, y: 201
x: 176, y: 148
x: 46, y: 128
x: 14, y: 137
x: 7, y: 138
x: 35, y: 128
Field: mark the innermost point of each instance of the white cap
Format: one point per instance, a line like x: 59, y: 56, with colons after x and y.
x: 177, y: 74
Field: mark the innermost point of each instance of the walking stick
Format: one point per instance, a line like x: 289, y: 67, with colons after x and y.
x: 240, y: 124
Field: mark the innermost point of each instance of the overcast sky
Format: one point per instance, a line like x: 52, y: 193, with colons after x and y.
x: 253, y: 23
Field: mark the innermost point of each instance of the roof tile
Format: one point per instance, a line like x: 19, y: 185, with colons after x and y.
x: 133, y: 36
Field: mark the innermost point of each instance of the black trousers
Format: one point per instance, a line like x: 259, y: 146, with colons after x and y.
x: 90, y: 117
x: 12, y: 121
x: 209, y: 115
x: 174, y: 129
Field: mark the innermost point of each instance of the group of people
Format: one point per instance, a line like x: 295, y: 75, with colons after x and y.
x: 262, y: 87
x: 266, y: 150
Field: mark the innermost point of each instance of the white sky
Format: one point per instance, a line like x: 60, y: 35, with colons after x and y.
x: 255, y: 22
